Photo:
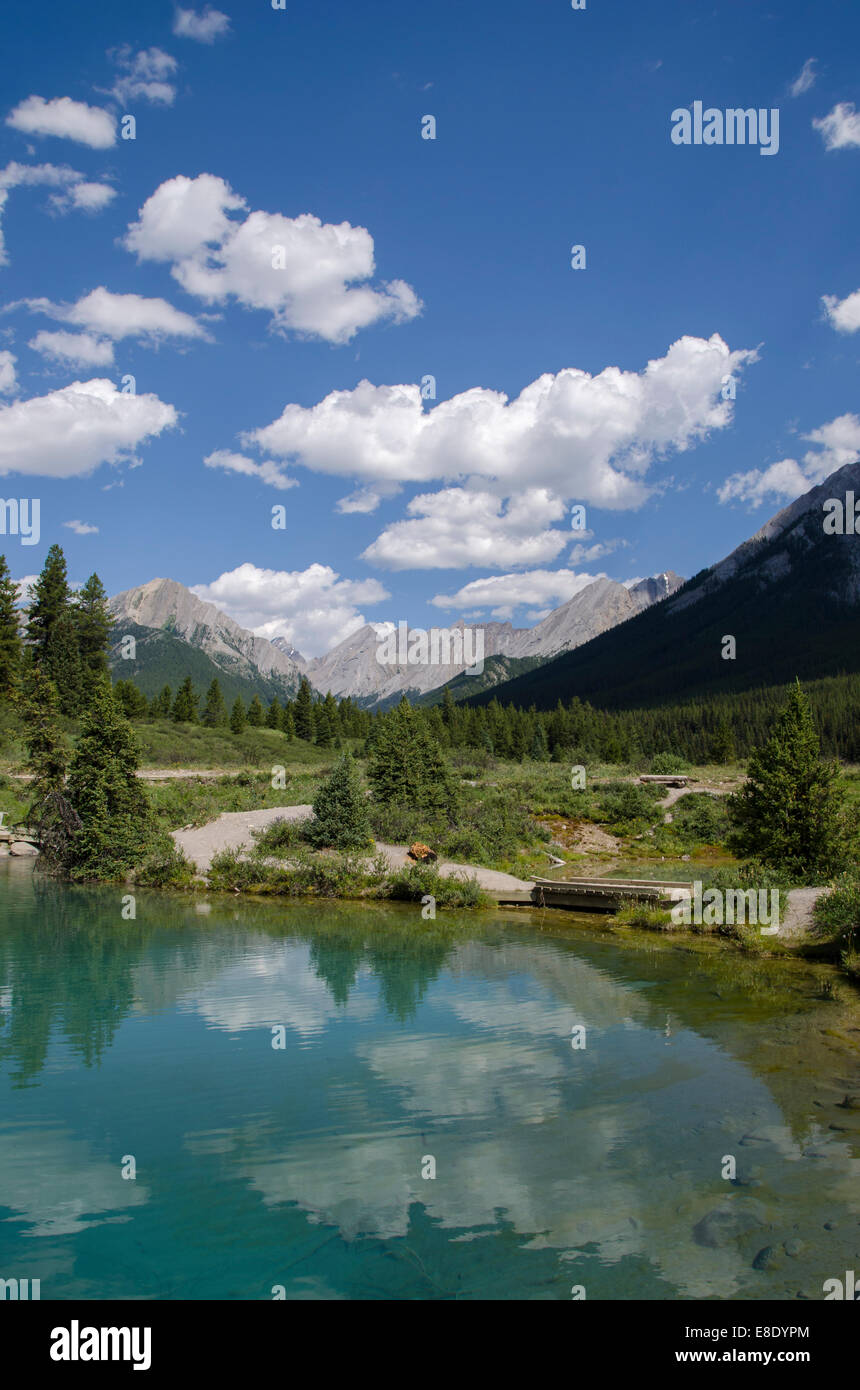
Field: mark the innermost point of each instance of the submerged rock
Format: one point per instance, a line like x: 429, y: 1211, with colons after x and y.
x: 727, y: 1223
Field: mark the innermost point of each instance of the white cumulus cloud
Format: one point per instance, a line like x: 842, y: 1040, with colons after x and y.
x: 312, y: 277
x: 581, y: 436
x: 313, y: 609
x: 81, y: 528
x: 80, y: 348
x: 840, y: 129
x: 267, y: 472
x: 844, y: 314
x: 460, y: 526
x: 837, y: 443
x: 120, y: 316
x: 501, y: 594
x: 70, y: 432
x: 65, y: 118
x: 204, y: 25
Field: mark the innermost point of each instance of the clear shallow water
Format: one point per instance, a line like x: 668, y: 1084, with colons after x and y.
x: 302, y: 1167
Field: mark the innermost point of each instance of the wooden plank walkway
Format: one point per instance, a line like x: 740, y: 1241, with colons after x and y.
x: 596, y: 894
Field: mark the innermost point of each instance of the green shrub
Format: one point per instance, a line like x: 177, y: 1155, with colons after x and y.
x: 417, y: 881
x: 340, y: 819
x: 837, y: 914
x: 167, y: 868
x: 630, y: 803
x: 663, y: 764
x: 279, y: 835
x: 701, y: 817
x: 397, y: 824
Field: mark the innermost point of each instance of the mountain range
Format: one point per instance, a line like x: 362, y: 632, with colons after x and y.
x: 176, y: 633
x: 789, y: 597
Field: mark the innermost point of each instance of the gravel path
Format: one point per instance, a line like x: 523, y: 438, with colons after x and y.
x: 798, y: 917
x: 232, y: 830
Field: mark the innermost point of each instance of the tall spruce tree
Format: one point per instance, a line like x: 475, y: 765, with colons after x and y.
x: 93, y: 622
x: 47, y: 748
x: 215, y: 710
x: 62, y: 663
x: 303, y: 713
x: 256, y: 713
x: 185, y: 705
x: 161, y: 703
x: 49, y: 813
x: 117, y: 827
x: 10, y: 636
x: 274, y: 714
x: 722, y: 748
x: 52, y: 631
x: 790, y: 812
x: 49, y: 599
x: 340, y: 819
x: 237, y: 716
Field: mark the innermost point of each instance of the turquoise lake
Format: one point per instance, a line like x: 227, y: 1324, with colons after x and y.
x: 262, y: 1168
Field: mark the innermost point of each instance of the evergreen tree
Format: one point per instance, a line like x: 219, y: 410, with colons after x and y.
x: 303, y: 713
x: 237, y: 716
x: 131, y: 701
x: 518, y: 744
x: 62, y: 663
x: 256, y: 713
x: 407, y: 767
x: 93, y: 622
x: 161, y: 703
x: 215, y: 710
x: 47, y: 749
x: 185, y: 705
x: 539, y: 751
x: 10, y: 637
x: 288, y: 725
x: 274, y: 714
x: 49, y: 602
x: 723, y: 743
x: 117, y: 826
x: 340, y: 818
x: 49, y: 812
x: 790, y: 812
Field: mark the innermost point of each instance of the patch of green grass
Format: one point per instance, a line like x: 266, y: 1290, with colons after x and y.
x: 194, y: 801
x: 165, y: 744
x: 643, y: 917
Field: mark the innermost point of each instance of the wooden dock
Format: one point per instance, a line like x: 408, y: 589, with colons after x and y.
x: 596, y: 894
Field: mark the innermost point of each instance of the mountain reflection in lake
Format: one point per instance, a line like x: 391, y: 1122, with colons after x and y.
x: 300, y: 1165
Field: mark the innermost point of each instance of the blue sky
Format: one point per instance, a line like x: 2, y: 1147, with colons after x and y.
x: 404, y: 258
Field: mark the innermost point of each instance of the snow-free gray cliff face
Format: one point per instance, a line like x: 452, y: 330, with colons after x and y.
x: 783, y: 542
x: 168, y: 606
x: 354, y: 667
